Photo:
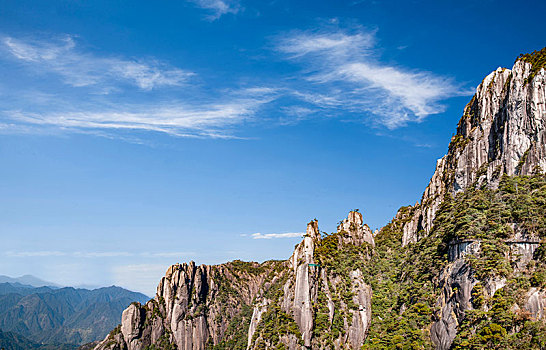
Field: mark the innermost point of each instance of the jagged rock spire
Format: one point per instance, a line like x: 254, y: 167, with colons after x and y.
x: 356, y: 231
x: 313, y: 229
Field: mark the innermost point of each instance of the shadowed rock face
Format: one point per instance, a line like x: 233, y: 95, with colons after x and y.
x: 457, y: 282
x: 454, y: 300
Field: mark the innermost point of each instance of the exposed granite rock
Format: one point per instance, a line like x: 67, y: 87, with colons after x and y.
x: 278, y: 303
x: 357, y: 230
x: 457, y: 281
x: 195, y: 306
x: 363, y: 316
x: 306, y: 280
x: 132, y: 322
x: 458, y: 249
x: 536, y: 303
x: 259, y: 309
x: 502, y: 131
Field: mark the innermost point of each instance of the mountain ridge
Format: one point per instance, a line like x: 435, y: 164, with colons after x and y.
x: 28, y: 280
x: 62, y: 315
x: 464, y: 268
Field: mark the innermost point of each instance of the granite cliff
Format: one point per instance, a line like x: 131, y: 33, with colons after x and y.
x: 464, y: 268
x: 502, y: 131
x: 256, y: 306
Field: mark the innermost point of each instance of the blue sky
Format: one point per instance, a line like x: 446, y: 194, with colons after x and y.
x: 137, y: 134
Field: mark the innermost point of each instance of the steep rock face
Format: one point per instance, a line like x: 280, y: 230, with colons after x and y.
x: 536, y: 303
x: 306, y: 281
x: 358, y: 231
x: 458, y: 280
x: 310, y: 290
x: 254, y: 306
x: 502, y: 131
x: 259, y: 309
x: 362, y: 317
x: 458, y: 283
x: 193, y: 307
x: 132, y: 320
x: 321, y: 297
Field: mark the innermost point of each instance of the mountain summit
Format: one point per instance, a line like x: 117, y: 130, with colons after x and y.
x: 464, y: 268
x: 502, y: 131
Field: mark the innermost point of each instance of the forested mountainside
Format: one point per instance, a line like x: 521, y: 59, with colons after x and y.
x: 464, y: 269
x: 56, y: 316
x: 15, y: 341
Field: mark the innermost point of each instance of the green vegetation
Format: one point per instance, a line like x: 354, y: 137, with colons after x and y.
x: 406, y: 280
x: 235, y: 336
x: 339, y: 259
x: 404, y: 300
x: 502, y: 326
x: 274, y: 324
x: 15, y: 341
x: 252, y: 268
x: 236, y: 276
x: 537, y: 59
x: 163, y: 343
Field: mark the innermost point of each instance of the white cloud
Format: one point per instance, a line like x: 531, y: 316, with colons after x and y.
x: 100, y: 255
x: 343, y: 73
x: 259, y: 235
x: 205, y: 119
x: 93, y: 255
x: 27, y: 254
x: 167, y: 254
x: 80, y: 69
x: 295, y: 114
x: 332, y: 43
x: 342, y: 76
x: 218, y: 8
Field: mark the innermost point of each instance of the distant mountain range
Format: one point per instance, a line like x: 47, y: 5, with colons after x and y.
x: 28, y: 280
x: 61, y: 318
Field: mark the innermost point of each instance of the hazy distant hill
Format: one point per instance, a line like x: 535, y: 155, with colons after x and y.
x: 28, y: 280
x: 61, y: 315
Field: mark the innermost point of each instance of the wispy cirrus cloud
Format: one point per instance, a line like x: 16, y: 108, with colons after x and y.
x: 344, y: 72
x: 259, y: 235
x: 95, y: 254
x: 185, y: 113
x: 78, y: 68
x: 212, y: 119
x: 218, y: 8
x: 341, y: 75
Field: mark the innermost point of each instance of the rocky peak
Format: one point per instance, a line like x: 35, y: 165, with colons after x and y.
x: 321, y: 298
x: 313, y: 229
x: 355, y: 230
x: 353, y: 220
x: 304, y: 251
x: 502, y: 131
